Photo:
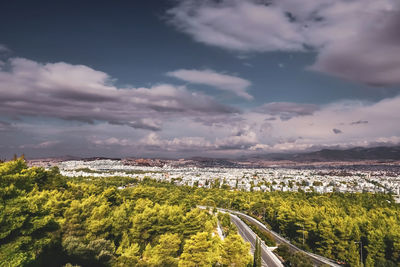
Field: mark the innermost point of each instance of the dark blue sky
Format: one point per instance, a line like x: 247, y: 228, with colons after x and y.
x: 137, y: 43
x: 132, y: 41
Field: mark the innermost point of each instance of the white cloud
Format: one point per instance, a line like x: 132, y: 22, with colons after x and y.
x: 287, y: 110
x: 356, y: 40
x: 187, y: 123
x: 238, y: 25
x: 314, y: 130
x: 220, y: 81
x: 155, y: 142
x: 245, y: 133
x: 372, y: 57
x: 242, y: 141
x: 79, y: 93
x: 317, y: 129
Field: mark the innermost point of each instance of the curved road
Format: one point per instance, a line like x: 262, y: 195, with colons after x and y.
x: 249, y: 236
x: 267, y: 257
x: 316, y: 258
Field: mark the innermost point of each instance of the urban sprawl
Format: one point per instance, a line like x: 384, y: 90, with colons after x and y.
x: 248, y: 179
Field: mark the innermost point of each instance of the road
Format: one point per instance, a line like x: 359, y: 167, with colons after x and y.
x: 267, y: 257
x: 316, y: 258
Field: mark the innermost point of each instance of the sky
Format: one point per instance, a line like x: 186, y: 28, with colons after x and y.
x: 184, y: 78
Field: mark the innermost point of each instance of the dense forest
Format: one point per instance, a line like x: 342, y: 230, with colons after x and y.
x: 344, y: 227
x: 50, y: 220
x: 88, y: 221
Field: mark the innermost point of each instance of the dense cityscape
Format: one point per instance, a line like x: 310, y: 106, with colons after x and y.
x: 320, y: 180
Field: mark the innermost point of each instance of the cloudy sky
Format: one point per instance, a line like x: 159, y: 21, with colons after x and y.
x: 182, y: 78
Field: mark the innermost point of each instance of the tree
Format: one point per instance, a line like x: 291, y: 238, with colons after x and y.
x: 257, y: 254
x: 129, y: 253
x: 27, y: 224
x: 95, y: 252
x: 165, y: 253
x: 235, y: 252
x: 198, y: 251
x: 299, y: 259
x: 46, y: 219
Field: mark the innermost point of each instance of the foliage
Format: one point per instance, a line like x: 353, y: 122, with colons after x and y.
x: 50, y: 220
x: 297, y: 259
x: 234, y: 251
x: 261, y: 233
x: 330, y: 223
x: 199, y: 250
x: 165, y: 253
x: 227, y: 226
x: 257, y: 254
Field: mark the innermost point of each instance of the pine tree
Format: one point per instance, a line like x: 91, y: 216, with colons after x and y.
x: 234, y: 251
x: 198, y: 251
x: 257, y: 254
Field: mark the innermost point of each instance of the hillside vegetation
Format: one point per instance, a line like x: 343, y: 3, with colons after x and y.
x: 45, y: 217
x: 50, y: 220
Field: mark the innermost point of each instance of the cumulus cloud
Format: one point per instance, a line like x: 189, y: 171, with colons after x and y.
x: 286, y: 110
x: 356, y: 40
x: 189, y: 144
x: 242, y: 141
x: 155, y: 142
x: 181, y: 122
x: 237, y: 25
x: 229, y: 83
x: 313, y: 129
x: 79, y: 93
x: 371, y: 54
x: 246, y: 133
x: 234, y: 136
x: 307, y: 129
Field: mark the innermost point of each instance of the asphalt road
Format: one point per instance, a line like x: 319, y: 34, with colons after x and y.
x: 316, y: 258
x: 267, y: 257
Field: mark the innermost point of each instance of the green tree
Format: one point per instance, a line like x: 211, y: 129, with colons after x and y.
x: 165, y: 253
x: 257, y: 254
x: 235, y: 252
x: 128, y: 253
x: 199, y: 250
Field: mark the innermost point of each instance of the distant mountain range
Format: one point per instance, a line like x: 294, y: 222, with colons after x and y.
x: 357, y: 155
x: 352, y: 154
